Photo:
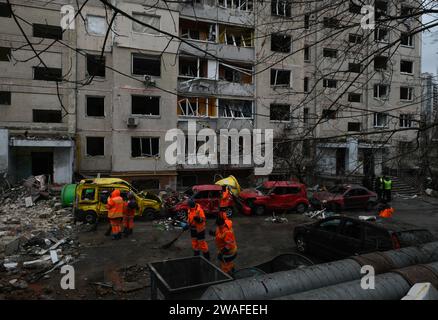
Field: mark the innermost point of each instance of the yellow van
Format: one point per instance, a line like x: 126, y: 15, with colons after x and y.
x: 92, y: 195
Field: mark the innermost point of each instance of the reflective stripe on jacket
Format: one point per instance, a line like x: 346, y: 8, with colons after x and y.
x: 197, y: 211
x: 115, y: 205
x: 225, y: 238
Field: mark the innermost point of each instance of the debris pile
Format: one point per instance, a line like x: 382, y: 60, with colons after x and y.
x: 275, y: 219
x: 168, y: 224
x: 37, y: 235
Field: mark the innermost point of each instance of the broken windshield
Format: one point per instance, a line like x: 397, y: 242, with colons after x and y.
x: 338, y: 189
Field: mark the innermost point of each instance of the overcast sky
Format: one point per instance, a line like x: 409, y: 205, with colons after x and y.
x: 430, y: 48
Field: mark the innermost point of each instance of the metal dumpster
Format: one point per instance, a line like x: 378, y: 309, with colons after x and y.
x: 184, y: 278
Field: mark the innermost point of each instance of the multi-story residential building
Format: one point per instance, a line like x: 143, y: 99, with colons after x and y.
x: 429, y: 97
x: 314, y: 76
x: 37, y: 108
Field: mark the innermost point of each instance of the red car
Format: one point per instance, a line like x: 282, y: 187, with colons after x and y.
x: 342, y: 197
x: 274, y: 195
x: 206, y: 195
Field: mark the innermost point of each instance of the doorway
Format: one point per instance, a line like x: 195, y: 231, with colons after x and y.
x: 340, y: 161
x: 368, y: 162
x: 42, y: 163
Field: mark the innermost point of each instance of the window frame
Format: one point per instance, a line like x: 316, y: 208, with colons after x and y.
x: 135, y: 55
x: 35, y: 31
x: 410, y: 94
x: 378, y: 85
x: 86, y: 106
x: 148, y: 15
x: 289, y: 118
x: 142, y: 155
x: 276, y: 71
x: 142, y: 115
x: 375, y: 120
x: 412, y: 67
x: 86, y: 147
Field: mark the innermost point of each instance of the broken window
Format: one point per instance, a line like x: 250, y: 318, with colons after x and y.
x: 96, y: 25
x: 197, y: 30
x: 5, y: 98
x: 381, y: 91
x: 95, y: 146
x: 354, y: 126
x: 330, y: 22
x: 406, y: 11
x: 234, y: 36
x: 47, y: 74
x: 96, y: 65
x: 5, y: 10
x: 47, y: 31
x: 329, y: 83
x: 406, y: 66
x: 355, y: 38
x: 381, y: 9
x: 145, y: 147
x: 354, y: 97
x: 406, y: 39
x: 88, y: 194
x: 307, y: 21
x: 5, y: 54
x: 235, y: 108
x: 280, y: 43
x: 281, y: 8
x: 280, y: 78
x: 406, y: 93
x: 307, y: 53
x: 355, y: 67
x: 329, y: 114
x: 306, y: 84
x: 146, y: 65
x: 197, y: 107
x: 381, y: 35
x: 145, y: 105
x: 380, y: 119
x: 380, y: 63
x: 406, y: 120
x: 330, y: 53
x: 280, y: 112
x: 354, y: 8
x: 306, y: 115
x: 243, y: 5
x: 235, y: 73
x: 48, y: 116
x: 151, y: 20
x: 96, y: 106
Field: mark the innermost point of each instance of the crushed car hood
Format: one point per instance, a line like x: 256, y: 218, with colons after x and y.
x: 325, y: 195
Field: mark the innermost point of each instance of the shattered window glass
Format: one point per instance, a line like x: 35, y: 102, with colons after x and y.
x: 96, y: 25
x: 153, y: 21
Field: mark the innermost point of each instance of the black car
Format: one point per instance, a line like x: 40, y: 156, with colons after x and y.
x: 338, y: 237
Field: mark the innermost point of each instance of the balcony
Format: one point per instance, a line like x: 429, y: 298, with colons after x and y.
x: 214, y: 87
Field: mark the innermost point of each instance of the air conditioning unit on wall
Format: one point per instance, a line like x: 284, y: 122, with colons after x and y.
x: 132, y: 122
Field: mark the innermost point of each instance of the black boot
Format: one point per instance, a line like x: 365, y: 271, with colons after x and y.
x: 206, y: 255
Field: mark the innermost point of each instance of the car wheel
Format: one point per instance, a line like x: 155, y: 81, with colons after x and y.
x: 301, y: 244
x: 301, y: 208
x: 149, y: 214
x: 90, y: 217
x: 259, y: 210
x: 181, y: 215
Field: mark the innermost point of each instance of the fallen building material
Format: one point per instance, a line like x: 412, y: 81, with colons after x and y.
x: 422, y: 291
x: 389, y: 286
x: 283, y: 283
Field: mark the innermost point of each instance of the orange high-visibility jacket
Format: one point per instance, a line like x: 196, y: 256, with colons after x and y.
x: 115, y: 205
x: 225, y: 238
x: 386, y: 213
x: 197, y: 211
x: 130, y: 207
x: 225, y: 199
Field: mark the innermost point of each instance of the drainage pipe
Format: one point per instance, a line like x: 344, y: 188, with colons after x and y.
x: 271, y: 286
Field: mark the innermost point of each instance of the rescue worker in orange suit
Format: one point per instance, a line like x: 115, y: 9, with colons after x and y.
x: 225, y: 202
x: 115, y: 207
x: 196, y: 222
x: 128, y: 215
x: 386, y: 211
x: 226, y: 244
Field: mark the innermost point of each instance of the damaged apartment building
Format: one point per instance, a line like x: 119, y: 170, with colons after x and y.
x: 105, y: 99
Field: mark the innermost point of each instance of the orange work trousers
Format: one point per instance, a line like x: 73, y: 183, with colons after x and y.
x: 198, y: 241
x: 227, y: 264
x: 116, y: 226
x: 128, y: 222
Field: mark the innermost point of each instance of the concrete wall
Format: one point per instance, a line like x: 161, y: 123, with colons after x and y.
x: 4, y: 150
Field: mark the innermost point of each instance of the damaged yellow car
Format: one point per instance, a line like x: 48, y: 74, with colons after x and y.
x: 91, y: 196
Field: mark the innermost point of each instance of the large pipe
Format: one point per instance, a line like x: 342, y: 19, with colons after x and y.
x: 388, y: 286
x: 271, y: 286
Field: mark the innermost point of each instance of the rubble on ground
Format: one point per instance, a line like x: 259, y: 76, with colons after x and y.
x: 168, y: 224
x: 275, y: 219
x: 37, y: 235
